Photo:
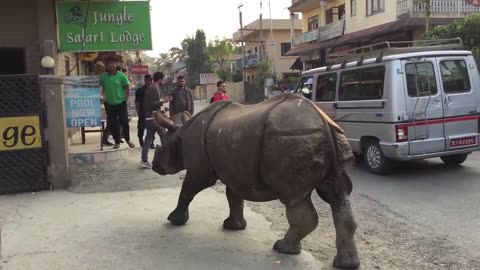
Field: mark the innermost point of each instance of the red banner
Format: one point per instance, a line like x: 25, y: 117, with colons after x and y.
x: 138, y: 70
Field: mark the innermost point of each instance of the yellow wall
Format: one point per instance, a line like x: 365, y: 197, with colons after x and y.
x: 361, y: 21
x: 311, y: 13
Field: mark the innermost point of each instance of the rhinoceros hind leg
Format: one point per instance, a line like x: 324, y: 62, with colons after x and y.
x: 303, y: 219
x: 192, y: 185
x: 235, y: 220
x: 345, y: 226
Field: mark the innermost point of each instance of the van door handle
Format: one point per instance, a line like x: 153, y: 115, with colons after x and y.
x: 448, y: 101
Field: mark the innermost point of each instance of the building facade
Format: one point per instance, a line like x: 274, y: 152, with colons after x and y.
x: 268, y: 40
x: 333, y: 25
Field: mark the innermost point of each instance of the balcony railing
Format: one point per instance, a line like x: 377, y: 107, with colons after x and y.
x: 251, y: 60
x: 439, y: 8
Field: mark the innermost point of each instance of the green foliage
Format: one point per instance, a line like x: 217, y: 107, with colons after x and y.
x: 263, y: 72
x: 468, y: 29
x: 219, y: 51
x: 198, y: 60
x: 237, y: 75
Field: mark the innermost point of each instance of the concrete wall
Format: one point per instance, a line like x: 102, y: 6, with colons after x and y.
x: 18, y: 28
x: 235, y: 92
x: 34, y: 28
x: 56, y: 131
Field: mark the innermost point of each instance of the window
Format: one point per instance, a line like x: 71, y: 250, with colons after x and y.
x: 326, y: 87
x: 341, y: 12
x: 420, y: 79
x: 329, y: 16
x: 362, y: 84
x: 285, y: 47
x: 455, y: 76
x: 375, y: 6
x: 302, y: 87
x: 313, y: 23
x: 353, y: 8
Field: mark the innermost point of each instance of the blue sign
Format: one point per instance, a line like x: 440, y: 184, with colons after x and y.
x: 82, y: 101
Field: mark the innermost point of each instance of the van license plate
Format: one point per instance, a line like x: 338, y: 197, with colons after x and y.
x: 460, y: 142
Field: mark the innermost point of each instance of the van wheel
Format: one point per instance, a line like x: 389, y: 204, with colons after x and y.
x: 374, y: 159
x: 454, y: 160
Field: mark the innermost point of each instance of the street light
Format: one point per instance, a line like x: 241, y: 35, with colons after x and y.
x: 48, y: 63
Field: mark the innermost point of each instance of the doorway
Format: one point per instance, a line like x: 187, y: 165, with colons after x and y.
x: 14, y: 59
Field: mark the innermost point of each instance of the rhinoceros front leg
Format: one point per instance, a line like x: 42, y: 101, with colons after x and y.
x: 345, y: 226
x: 235, y: 220
x: 303, y: 219
x: 192, y: 185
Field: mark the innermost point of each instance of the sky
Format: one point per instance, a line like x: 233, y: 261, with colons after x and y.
x: 173, y: 22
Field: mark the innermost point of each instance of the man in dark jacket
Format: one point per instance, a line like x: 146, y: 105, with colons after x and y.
x: 139, y: 98
x: 152, y: 103
x: 181, y: 100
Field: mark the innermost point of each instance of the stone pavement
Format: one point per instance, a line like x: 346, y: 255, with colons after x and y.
x: 114, y: 216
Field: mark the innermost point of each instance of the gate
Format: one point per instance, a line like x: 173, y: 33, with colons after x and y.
x: 23, y: 152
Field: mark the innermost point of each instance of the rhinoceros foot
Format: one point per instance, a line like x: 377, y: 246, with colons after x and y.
x: 288, y: 248
x: 234, y: 224
x: 178, y: 217
x: 347, y: 260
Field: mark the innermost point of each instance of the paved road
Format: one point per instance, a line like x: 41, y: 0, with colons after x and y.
x: 445, y: 199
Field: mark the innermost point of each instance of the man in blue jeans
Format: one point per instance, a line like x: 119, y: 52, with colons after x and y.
x: 152, y: 103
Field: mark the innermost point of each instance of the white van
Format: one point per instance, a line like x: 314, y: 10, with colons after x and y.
x: 402, y: 106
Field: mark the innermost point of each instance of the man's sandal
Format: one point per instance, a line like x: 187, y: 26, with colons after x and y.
x: 116, y: 146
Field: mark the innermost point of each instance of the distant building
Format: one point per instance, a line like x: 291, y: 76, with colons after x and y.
x: 329, y: 25
x: 260, y: 43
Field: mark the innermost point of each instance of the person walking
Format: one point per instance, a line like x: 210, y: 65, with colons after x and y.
x: 151, y: 104
x: 221, y: 93
x: 139, y: 98
x: 180, y: 100
x: 116, y: 89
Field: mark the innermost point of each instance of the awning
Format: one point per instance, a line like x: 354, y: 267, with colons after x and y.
x: 297, y: 65
x: 367, y: 34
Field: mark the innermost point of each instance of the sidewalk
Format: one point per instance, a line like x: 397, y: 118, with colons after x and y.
x: 114, y: 216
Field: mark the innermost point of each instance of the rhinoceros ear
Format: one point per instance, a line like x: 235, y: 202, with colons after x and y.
x: 164, y: 121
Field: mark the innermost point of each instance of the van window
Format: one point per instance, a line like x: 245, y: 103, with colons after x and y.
x: 326, y: 87
x: 362, y: 84
x: 304, y: 87
x: 455, y: 76
x: 422, y: 72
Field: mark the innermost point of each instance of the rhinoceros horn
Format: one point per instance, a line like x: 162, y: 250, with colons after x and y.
x: 164, y: 121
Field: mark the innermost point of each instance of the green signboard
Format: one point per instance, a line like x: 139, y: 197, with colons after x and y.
x: 104, y: 26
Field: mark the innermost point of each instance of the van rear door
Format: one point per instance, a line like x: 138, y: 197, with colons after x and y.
x: 459, y: 101
x: 424, y: 107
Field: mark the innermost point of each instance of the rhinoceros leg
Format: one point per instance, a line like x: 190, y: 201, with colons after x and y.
x: 192, y: 185
x: 235, y: 220
x: 303, y: 219
x: 345, y: 226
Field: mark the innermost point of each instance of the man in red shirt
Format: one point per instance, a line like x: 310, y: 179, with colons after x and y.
x: 221, y: 92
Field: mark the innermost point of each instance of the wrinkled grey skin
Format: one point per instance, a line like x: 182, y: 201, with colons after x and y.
x: 283, y: 148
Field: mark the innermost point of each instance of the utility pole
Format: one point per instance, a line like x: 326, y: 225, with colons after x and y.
x: 261, y: 32
x: 272, y: 44
x: 241, y: 36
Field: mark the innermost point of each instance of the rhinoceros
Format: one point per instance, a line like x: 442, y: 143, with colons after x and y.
x: 282, y: 148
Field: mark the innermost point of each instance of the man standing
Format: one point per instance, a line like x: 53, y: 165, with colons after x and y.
x: 152, y: 103
x: 221, y: 92
x: 181, y: 100
x: 116, y: 89
x: 139, y: 98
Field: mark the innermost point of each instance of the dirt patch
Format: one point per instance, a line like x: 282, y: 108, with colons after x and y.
x: 385, y: 239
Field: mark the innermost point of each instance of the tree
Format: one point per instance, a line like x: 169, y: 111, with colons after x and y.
x: 177, y: 55
x: 162, y: 61
x: 219, y: 51
x: 427, y: 11
x: 198, y: 60
x: 466, y: 29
